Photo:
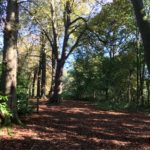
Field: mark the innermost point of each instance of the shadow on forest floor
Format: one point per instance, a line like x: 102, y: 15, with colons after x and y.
x: 79, y: 126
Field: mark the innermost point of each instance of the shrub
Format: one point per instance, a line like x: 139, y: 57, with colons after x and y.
x: 22, y: 101
x: 5, y: 113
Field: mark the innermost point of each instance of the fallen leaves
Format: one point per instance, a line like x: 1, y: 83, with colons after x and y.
x: 78, y: 126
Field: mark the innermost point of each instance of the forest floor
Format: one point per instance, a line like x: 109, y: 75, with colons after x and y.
x: 75, y: 125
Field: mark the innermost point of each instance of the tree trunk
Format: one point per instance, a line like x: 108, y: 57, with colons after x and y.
x: 129, y: 86
x: 9, y: 70
x: 106, y: 94
x: 142, y: 84
x: 138, y: 68
x: 34, y: 79
x: 53, y: 75
x: 148, y: 91
x: 144, y: 27
x: 39, y: 82
x: 55, y: 96
x: 43, y: 77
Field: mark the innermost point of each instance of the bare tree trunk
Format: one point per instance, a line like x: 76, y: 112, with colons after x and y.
x: 9, y: 70
x: 148, y: 91
x: 59, y: 56
x: 144, y: 27
x: 106, y: 94
x: 53, y: 75
x: 38, y: 87
x: 142, y: 84
x: 39, y: 82
x: 55, y: 50
x: 129, y: 86
x: 33, y: 82
x: 43, y: 74
x: 55, y: 97
x: 138, y: 66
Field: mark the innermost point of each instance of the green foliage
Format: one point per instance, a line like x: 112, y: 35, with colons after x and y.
x: 22, y: 101
x: 119, y: 106
x: 5, y: 113
x: 94, y: 74
x: 108, y: 66
x: 22, y: 94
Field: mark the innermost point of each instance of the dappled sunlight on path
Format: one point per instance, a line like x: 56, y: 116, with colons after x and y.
x: 79, y: 126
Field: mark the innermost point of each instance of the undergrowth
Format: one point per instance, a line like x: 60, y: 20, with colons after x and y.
x: 121, y: 106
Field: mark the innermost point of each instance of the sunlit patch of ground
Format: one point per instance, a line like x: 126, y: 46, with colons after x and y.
x: 78, y: 126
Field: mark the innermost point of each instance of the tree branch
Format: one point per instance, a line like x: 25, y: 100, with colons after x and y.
x: 75, y: 44
x: 77, y: 19
x: 43, y: 30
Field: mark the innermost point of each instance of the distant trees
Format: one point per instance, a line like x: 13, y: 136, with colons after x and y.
x: 61, y: 22
x: 110, y: 64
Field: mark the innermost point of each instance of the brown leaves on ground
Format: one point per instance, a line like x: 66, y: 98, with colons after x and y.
x: 75, y: 125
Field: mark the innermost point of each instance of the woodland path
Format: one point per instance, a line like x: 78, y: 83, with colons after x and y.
x: 75, y: 125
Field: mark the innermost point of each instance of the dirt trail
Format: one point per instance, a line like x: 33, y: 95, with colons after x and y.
x: 79, y: 126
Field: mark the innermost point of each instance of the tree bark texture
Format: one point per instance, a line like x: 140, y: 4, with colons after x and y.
x: 43, y: 74
x: 9, y: 69
x: 59, y: 56
x: 148, y: 91
x: 142, y: 84
x: 34, y: 80
x: 144, y: 27
x: 41, y: 82
x: 57, y: 87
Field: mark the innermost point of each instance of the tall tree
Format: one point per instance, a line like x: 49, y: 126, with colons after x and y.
x: 43, y: 74
x: 59, y: 57
x: 9, y: 70
x: 41, y: 81
x: 144, y: 27
x: 34, y: 79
